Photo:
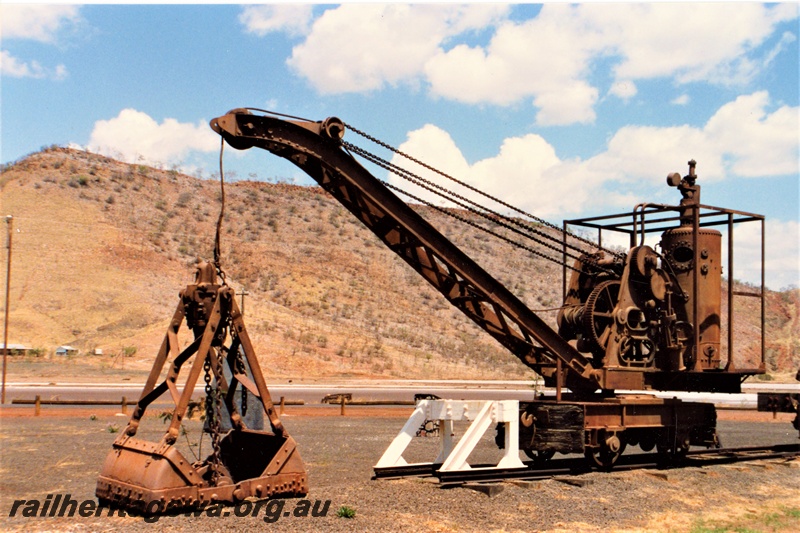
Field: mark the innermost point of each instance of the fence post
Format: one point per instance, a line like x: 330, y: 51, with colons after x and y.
x: 283, y: 404
x: 342, y: 401
x: 124, y: 405
x: 37, y: 406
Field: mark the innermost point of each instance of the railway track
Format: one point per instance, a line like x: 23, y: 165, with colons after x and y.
x: 573, y: 466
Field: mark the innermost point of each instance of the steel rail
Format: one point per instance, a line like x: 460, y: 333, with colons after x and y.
x: 573, y: 466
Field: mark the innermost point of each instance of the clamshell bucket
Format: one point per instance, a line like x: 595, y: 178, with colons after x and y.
x: 155, y: 477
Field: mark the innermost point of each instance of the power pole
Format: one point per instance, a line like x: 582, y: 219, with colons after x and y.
x: 9, y: 220
x: 243, y: 293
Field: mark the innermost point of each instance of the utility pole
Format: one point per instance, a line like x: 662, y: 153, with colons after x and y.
x: 243, y: 293
x: 9, y: 220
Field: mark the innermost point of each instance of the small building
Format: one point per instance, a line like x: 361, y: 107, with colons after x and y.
x: 15, y: 349
x: 66, y: 350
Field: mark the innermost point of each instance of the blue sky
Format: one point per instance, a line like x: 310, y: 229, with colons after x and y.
x: 565, y: 110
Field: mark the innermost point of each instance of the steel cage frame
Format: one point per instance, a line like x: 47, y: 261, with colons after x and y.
x: 635, y: 224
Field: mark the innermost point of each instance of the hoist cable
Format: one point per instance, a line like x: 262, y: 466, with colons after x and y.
x: 497, y: 218
x: 474, y: 189
x: 371, y: 157
x: 476, y: 225
x: 277, y: 114
x: 217, y: 252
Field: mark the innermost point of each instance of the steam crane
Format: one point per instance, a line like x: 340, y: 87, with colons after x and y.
x: 645, y: 320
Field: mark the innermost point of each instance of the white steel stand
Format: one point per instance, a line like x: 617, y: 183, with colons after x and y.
x: 453, y: 457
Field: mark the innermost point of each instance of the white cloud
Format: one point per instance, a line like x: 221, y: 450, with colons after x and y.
x: 39, y: 22
x: 572, y: 104
x: 11, y: 66
x: 624, y: 89
x: 681, y: 100
x: 758, y: 143
x: 786, y: 39
x: 134, y: 135
x: 363, y: 47
x: 293, y: 19
x: 15, y: 68
x: 517, y: 174
x: 782, y: 253
x: 547, y: 60
x: 742, y: 139
x: 686, y: 41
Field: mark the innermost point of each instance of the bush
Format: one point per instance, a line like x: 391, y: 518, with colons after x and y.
x: 346, y: 512
x: 128, y: 351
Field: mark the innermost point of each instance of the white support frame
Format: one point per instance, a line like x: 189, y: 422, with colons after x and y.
x: 453, y: 456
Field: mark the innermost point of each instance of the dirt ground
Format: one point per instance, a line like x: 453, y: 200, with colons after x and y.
x: 61, y: 452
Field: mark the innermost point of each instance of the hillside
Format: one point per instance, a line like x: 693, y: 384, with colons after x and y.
x: 101, y: 249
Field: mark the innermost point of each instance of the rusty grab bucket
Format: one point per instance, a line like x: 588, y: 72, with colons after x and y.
x: 137, y: 473
x: 155, y: 477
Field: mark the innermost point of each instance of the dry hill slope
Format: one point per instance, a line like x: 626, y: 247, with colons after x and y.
x: 101, y: 249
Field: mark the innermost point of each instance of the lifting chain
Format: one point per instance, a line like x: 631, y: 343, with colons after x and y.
x: 474, y: 189
x: 213, y: 415
x: 496, y: 218
x: 241, y: 369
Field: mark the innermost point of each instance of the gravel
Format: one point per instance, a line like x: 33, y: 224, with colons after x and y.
x: 49, y: 455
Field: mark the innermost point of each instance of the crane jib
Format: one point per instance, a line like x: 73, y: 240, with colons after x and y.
x: 315, y: 147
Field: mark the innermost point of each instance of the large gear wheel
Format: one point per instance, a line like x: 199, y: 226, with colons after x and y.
x: 598, y: 315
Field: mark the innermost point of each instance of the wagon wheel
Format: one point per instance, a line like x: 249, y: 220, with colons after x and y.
x: 539, y: 457
x: 598, y: 315
x: 672, y: 455
x: 605, y: 456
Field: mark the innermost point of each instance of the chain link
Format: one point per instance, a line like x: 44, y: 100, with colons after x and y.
x: 213, y: 415
x: 240, y: 368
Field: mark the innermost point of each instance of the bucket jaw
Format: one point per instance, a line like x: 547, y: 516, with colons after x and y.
x: 154, y: 477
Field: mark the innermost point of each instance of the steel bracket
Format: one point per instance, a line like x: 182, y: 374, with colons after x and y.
x: 453, y: 454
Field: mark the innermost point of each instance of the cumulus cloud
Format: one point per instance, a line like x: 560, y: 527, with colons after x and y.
x: 782, y: 253
x: 762, y: 143
x: 742, y: 139
x: 294, y: 19
x: 38, y: 22
x: 686, y: 41
x: 363, y: 47
x: 547, y: 60
x: 15, y: 68
x: 681, y: 100
x: 135, y: 136
x: 624, y: 89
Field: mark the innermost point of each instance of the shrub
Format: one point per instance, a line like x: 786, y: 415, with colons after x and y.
x: 128, y: 351
x: 346, y: 512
